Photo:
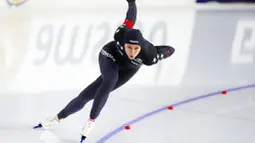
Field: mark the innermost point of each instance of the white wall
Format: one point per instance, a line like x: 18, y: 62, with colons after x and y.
x: 22, y: 45
x: 105, y: 3
x: 20, y: 71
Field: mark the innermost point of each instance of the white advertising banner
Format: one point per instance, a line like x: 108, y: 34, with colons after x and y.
x: 45, y: 50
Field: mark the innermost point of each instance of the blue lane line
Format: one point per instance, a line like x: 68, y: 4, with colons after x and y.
x: 122, y: 127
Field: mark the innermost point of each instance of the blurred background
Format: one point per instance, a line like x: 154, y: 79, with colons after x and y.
x: 51, y: 45
x: 49, y: 51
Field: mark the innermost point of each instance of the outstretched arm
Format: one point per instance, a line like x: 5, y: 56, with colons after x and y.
x: 128, y: 23
x: 157, y: 53
x: 164, y: 51
x: 131, y: 14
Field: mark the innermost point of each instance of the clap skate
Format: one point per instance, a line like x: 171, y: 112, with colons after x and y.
x: 47, y: 124
x: 87, y: 129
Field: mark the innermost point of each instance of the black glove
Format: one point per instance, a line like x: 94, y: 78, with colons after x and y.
x: 164, y: 52
x: 130, y: 1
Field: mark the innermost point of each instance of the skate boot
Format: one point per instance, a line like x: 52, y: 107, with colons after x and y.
x: 47, y: 123
x: 87, y: 129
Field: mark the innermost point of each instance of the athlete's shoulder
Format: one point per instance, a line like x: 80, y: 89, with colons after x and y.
x: 148, y: 53
x: 111, y: 44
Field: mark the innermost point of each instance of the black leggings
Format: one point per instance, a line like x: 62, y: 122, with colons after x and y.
x: 111, y: 78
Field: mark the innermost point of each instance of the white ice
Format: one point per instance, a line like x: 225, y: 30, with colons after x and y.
x: 218, y: 119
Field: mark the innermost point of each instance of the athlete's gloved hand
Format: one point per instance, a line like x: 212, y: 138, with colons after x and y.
x: 164, y: 52
x: 130, y: 1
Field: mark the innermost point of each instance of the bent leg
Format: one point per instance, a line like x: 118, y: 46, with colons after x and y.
x: 79, y: 102
x: 109, y: 71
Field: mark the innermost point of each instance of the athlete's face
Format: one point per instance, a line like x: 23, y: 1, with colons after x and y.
x: 132, y: 50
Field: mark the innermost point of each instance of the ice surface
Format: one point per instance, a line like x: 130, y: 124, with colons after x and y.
x: 219, y: 118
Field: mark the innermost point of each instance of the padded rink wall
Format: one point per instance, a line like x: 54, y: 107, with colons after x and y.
x: 48, y: 47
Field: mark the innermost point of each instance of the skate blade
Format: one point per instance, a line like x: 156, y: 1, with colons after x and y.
x: 83, y: 139
x: 38, y: 126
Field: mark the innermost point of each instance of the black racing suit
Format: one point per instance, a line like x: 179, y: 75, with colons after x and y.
x: 116, y: 68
